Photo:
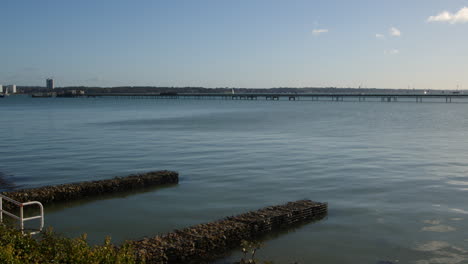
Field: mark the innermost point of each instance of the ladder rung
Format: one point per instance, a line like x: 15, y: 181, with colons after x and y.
x: 11, y: 215
x: 32, y: 218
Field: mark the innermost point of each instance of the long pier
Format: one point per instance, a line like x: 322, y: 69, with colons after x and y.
x: 414, y: 97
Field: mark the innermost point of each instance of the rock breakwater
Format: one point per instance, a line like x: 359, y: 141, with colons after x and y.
x: 80, y: 190
x: 205, y: 242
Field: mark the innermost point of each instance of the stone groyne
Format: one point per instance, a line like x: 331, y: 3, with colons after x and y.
x: 205, y: 242
x: 80, y: 190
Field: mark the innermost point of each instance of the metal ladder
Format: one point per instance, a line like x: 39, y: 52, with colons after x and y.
x: 21, y: 217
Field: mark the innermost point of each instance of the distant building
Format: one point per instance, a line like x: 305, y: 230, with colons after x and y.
x: 10, y: 89
x: 1, y: 88
x: 50, y: 83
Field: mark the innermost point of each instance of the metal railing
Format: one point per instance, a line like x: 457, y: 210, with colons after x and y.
x: 21, y: 217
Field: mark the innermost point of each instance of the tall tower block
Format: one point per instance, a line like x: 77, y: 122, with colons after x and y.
x: 50, y: 83
x: 10, y: 88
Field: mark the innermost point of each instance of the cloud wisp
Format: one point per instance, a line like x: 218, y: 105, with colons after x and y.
x: 453, y: 18
x: 380, y: 36
x: 395, y: 32
x: 391, y: 52
x: 317, y: 32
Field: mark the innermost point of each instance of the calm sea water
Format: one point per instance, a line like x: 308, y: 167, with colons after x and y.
x: 395, y: 175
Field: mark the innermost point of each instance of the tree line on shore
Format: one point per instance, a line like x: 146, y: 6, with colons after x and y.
x: 154, y: 89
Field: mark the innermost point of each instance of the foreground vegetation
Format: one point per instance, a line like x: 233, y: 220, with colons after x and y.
x: 49, y: 247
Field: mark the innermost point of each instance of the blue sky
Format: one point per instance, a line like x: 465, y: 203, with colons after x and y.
x: 243, y: 43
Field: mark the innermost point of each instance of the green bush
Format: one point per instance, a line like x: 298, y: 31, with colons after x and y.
x: 49, y: 247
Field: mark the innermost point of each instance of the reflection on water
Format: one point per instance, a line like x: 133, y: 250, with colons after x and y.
x: 6, y: 184
x: 58, y: 206
x: 457, y: 210
x: 432, y: 222
x: 442, y: 252
x: 433, y: 246
x: 438, y: 228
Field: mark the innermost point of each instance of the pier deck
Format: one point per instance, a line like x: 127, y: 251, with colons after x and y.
x: 415, y: 97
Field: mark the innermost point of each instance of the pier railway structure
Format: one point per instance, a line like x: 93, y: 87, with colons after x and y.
x: 336, y: 97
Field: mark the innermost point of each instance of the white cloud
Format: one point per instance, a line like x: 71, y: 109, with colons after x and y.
x: 395, y: 32
x: 459, y: 17
x: 380, y: 36
x: 391, y: 52
x: 317, y: 32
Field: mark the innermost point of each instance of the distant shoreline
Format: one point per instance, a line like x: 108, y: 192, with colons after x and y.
x: 155, y: 89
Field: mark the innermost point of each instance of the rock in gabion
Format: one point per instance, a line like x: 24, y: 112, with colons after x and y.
x: 75, y: 191
x: 204, y: 242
